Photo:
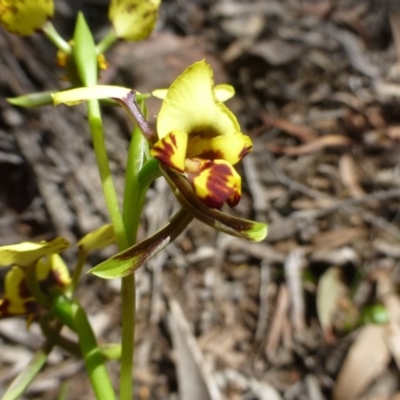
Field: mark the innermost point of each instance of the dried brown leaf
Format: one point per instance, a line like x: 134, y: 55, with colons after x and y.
x: 195, y: 381
x: 315, y: 145
x: 350, y: 177
x: 337, y: 238
x: 279, y: 320
x: 391, y: 300
x: 367, y: 358
x: 300, y: 132
x: 276, y: 51
x: 330, y: 290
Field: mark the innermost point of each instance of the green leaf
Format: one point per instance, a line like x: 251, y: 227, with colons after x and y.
x: 126, y: 262
x: 32, y: 100
x: 84, y: 52
x: 242, y: 228
x: 149, y: 172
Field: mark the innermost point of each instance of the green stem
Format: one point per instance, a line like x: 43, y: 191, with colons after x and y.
x: 52, y: 34
x: 94, y: 361
x: 96, y: 128
x: 132, y: 208
x: 108, y: 40
x: 52, y: 333
x: 128, y: 295
x: 132, y: 212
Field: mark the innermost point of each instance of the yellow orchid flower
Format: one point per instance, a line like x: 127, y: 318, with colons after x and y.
x: 199, y: 137
x: 24, y: 17
x: 197, y: 143
x: 133, y: 19
x: 50, y: 275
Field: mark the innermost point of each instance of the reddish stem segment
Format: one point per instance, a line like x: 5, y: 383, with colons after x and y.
x: 130, y: 104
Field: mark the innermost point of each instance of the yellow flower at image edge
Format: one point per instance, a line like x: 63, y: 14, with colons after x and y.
x: 200, y: 137
x: 51, y: 275
x: 24, y: 17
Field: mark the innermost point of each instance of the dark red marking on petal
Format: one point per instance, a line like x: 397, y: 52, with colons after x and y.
x: 173, y: 139
x: 245, y: 151
x: 23, y: 290
x: 166, y: 150
x: 217, y: 186
x: 32, y: 307
x: 52, y: 280
x: 234, y: 199
x: 211, y: 155
x: 4, y: 306
x: 57, y: 279
x: 205, y: 132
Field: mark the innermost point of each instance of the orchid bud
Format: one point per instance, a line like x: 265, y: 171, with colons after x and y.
x: 25, y: 17
x: 133, y: 20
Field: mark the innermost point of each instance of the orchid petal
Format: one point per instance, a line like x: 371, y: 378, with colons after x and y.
x: 98, y: 239
x: 191, y: 106
x: 15, y: 286
x: 171, y: 150
x: 223, y: 92
x: 230, y: 148
x: 24, y: 254
x: 217, y: 182
x: 32, y: 100
x: 25, y: 17
x: 75, y: 96
x: 130, y: 260
x: 160, y: 93
x: 242, y: 228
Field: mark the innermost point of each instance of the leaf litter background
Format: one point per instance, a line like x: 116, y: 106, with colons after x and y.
x: 290, y: 318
